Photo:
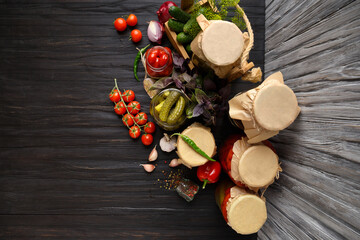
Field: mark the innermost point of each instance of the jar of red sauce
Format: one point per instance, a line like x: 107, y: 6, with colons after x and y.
x: 252, y: 166
x: 243, y: 210
x: 159, y: 62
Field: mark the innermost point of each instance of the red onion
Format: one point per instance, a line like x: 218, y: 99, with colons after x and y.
x: 155, y: 31
x: 163, y: 12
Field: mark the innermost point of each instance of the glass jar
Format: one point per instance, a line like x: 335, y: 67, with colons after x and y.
x: 243, y: 169
x: 159, y: 62
x: 243, y: 210
x: 156, y: 106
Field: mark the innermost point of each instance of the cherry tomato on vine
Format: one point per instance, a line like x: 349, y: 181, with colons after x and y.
x: 134, y: 107
x: 114, y: 95
x: 141, y: 118
x: 147, y: 139
x: 120, y: 24
x: 128, y: 96
x: 149, y: 127
x: 134, y: 132
x: 136, y: 35
x: 131, y: 20
x: 127, y: 120
x: 120, y: 108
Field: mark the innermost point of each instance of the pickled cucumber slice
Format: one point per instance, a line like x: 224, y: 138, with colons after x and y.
x: 167, y: 93
x: 169, y: 102
x: 181, y: 119
x: 177, y: 111
x: 159, y: 106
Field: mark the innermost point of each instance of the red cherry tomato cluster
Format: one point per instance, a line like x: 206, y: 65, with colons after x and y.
x: 120, y: 25
x: 135, y: 120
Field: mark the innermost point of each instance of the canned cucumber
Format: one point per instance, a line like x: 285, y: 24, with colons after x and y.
x: 168, y: 103
x: 177, y: 111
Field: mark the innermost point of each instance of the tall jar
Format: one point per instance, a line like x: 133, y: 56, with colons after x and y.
x: 159, y: 62
x: 253, y: 166
x: 243, y: 210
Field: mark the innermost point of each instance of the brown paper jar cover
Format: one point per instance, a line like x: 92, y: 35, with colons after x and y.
x: 266, y: 109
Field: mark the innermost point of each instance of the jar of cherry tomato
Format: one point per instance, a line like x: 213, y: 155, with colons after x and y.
x: 243, y: 210
x: 159, y: 62
x: 253, y: 166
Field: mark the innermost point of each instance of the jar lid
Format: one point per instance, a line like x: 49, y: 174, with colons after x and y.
x: 258, y: 166
x: 203, y: 138
x: 222, y: 43
x: 246, y: 213
x: 275, y: 107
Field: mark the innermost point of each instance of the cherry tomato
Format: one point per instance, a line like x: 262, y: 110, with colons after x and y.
x: 120, y: 108
x: 152, y: 58
x: 168, y: 49
x: 128, y: 96
x: 149, y: 127
x: 155, y: 51
x: 131, y: 20
x: 127, y: 120
x: 134, y: 107
x: 141, y: 118
x: 163, y: 59
x: 157, y: 63
x: 114, y: 95
x: 134, y: 132
x: 120, y: 24
x: 147, y: 139
x: 136, y: 35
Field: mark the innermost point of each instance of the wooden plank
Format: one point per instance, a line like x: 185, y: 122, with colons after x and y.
x: 68, y: 169
x: 315, y: 45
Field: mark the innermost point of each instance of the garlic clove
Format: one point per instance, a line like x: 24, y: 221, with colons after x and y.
x: 148, y: 167
x: 174, y: 163
x: 153, y: 154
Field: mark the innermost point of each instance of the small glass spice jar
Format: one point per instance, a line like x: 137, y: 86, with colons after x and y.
x: 187, y: 189
x: 159, y: 62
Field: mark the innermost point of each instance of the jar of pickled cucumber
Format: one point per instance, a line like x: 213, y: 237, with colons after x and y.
x: 168, y: 108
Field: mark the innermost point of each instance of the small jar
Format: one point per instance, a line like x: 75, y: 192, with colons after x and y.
x: 243, y: 210
x: 157, y: 103
x: 159, y: 62
x: 253, y: 166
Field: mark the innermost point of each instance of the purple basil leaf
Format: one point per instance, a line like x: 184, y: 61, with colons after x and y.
x: 191, y: 84
x: 186, y: 77
x: 198, y: 110
x: 225, y: 92
x: 162, y: 83
x: 209, y: 85
x: 200, y: 96
x: 179, y: 62
x: 179, y: 84
x: 208, y: 105
x: 206, y: 113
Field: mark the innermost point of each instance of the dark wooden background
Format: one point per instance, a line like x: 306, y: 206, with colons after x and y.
x: 68, y: 169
